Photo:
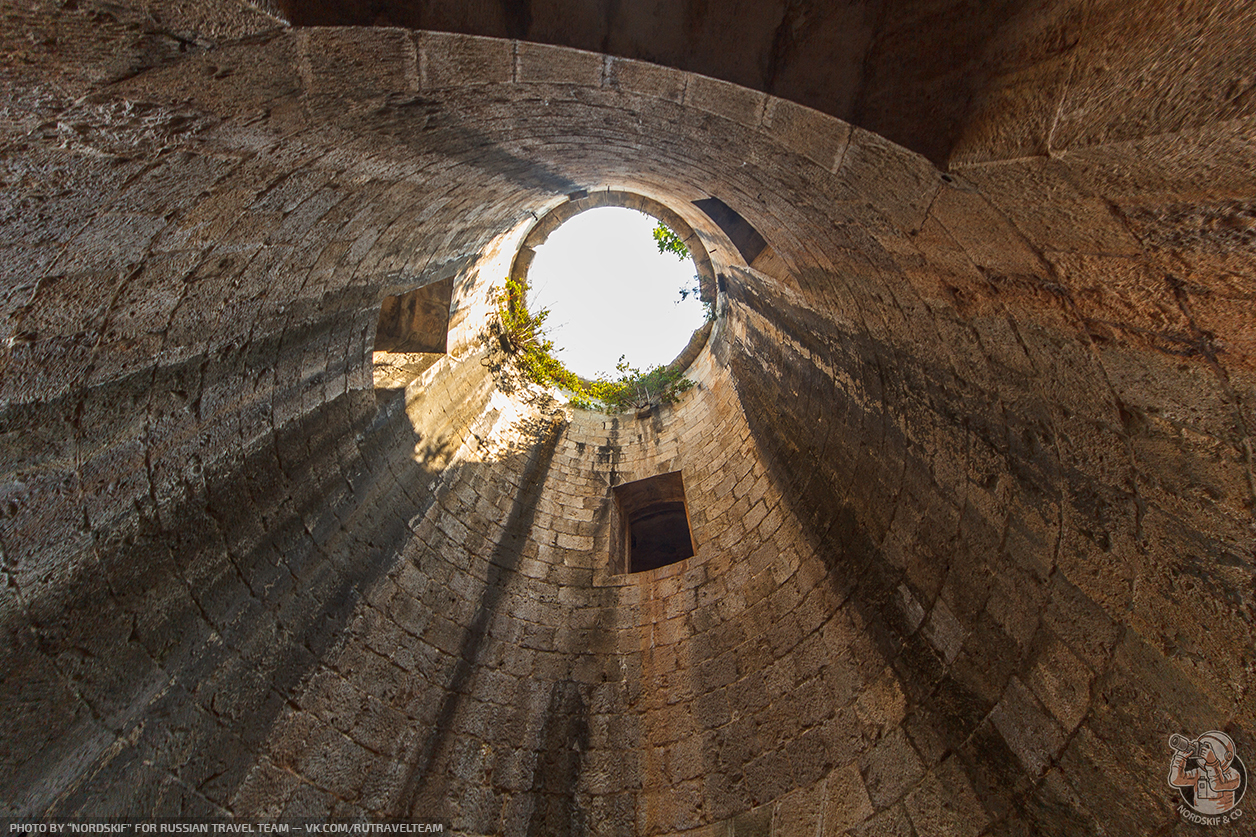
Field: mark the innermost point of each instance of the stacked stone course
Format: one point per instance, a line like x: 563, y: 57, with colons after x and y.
x: 968, y: 463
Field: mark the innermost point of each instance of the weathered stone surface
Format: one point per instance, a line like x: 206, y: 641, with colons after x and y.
x: 968, y: 462
x: 944, y: 78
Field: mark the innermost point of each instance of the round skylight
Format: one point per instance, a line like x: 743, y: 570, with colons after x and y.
x: 610, y: 292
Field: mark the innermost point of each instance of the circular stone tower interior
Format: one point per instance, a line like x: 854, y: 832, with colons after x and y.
x: 966, y: 473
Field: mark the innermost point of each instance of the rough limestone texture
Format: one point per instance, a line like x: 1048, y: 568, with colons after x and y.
x: 968, y: 460
x: 955, y: 80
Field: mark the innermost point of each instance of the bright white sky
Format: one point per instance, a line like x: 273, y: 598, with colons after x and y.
x: 610, y: 293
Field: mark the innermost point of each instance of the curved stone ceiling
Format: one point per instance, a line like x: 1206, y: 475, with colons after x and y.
x: 968, y: 466
x: 956, y: 81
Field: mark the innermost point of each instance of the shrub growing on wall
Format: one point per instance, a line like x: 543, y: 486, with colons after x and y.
x: 522, y: 335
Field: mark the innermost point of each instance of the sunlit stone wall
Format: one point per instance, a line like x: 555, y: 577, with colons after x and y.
x: 968, y: 465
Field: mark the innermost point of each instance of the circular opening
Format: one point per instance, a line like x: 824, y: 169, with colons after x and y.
x: 611, y: 293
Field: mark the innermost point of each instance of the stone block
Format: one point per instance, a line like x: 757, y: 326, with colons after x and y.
x: 891, y: 822
x: 1059, y: 218
x: 450, y: 60
x: 988, y: 238
x: 882, y: 702
x: 1030, y: 732
x: 846, y: 802
x: 730, y: 101
x: 818, y: 137
x: 1081, y: 623
x: 557, y: 65
x: 1061, y: 681
x: 265, y: 791
x: 757, y: 822
x: 901, y: 184
x: 944, y: 632
x: 799, y: 812
x: 891, y: 769
x: 1014, y: 114
x: 945, y: 803
x: 357, y: 63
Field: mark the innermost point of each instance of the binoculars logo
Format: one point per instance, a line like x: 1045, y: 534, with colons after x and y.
x: 1209, y: 775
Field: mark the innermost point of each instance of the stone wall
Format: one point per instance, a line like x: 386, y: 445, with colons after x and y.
x: 969, y: 463
x: 958, y: 82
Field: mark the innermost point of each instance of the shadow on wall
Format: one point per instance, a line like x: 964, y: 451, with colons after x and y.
x: 840, y: 500
x: 201, y: 621
x: 417, y: 321
x: 935, y: 78
x: 503, y: 566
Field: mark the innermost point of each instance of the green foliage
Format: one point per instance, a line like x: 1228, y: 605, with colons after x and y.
x: 637, y: 390
x: 695, y: 290
x: 668, y: 242
x: 523, y: 334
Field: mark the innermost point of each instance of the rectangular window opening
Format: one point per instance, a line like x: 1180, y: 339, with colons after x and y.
x: 412, y: 334
x: 654, y: 524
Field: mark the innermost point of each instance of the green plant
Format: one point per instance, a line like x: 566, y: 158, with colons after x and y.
x: 637, y: 390
x: 695, y: 291
x: 522, y: 335
x: 668, y: 242
x: 525, y: 339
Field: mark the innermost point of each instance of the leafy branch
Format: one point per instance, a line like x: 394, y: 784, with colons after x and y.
x: 522, y: 335
x: 668, y: 242
x: 695, y: 291
x: 637, y: 390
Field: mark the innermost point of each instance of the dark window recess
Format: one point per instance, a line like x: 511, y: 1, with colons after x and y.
x: 417, y: 321
x: 744, y: 237
x: 654, y: 524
